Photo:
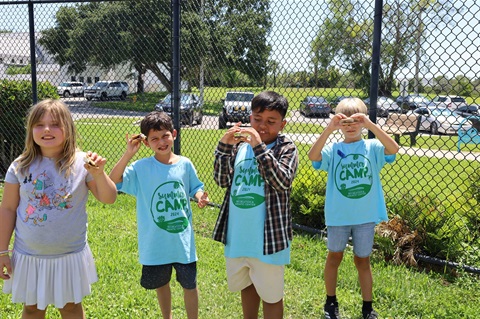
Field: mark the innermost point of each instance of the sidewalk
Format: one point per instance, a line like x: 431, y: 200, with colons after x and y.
x: 412, y: 151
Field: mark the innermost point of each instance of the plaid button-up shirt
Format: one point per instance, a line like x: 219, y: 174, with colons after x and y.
x: 278, y: 167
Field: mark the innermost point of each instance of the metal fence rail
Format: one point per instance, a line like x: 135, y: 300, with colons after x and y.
x: 428, y: 61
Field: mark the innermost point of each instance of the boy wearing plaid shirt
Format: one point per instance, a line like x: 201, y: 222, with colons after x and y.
x: 257, y: 166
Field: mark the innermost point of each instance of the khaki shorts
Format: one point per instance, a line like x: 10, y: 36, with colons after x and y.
x: 268, y: 279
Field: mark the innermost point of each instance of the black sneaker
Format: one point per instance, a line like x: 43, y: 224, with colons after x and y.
x: 331, y: 311
x: 372, y: 314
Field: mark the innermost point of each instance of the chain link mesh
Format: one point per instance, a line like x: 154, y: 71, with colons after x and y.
x: 312, y: 52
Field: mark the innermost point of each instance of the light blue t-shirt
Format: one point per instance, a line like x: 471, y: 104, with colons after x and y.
x: 354, y: 191
x: 247, y: 210
x: 164, y: 216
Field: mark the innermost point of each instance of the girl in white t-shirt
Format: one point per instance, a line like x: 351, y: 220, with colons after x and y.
x: 44, y: 201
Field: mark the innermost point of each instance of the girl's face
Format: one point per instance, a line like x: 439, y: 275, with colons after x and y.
x: 49, y: 135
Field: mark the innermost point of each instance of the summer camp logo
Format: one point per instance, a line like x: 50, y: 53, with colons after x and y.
x: 247, y: 185
x: 353, y: 175
x: 169, y: 202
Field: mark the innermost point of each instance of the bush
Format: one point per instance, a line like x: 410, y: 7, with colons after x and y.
x: 15, y: 100
x: 441, y: 231
x: 308, y: 198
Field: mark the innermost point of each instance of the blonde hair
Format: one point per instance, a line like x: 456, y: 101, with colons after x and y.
x: 60, y: 113
x: 350, y: 106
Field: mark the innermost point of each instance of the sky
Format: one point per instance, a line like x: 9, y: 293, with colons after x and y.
x: 449, y: 50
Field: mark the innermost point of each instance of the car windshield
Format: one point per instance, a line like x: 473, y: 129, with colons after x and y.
x: 458, y: 100
x: 241, y: 97
x: 315, y: 99
x: 100, y: 84
x: 183, y: 98
x: 443, y: 112
x: 439, y: 99
x: 64, y: 84
x: 420, y: 99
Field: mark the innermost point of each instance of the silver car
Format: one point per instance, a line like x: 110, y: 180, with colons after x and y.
x: 438, y: 120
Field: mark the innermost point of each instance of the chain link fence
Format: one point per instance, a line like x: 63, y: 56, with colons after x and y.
x: 111, y: 62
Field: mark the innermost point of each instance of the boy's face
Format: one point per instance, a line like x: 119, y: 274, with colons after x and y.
x: 161, y: 142
x: 352, y: 132
x: 267, y: 124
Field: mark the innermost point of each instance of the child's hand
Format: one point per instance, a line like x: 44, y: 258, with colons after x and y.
x: 229, y: 136
x: 203, y: 200
x: 6, y: 267
x: 362, y: 119
x: 336, y: 122
x: 134, y: 142
x: 94, y: 163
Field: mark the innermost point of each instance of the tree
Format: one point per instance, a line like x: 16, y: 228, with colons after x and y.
x: 346, y: 37
x: 138, y: 32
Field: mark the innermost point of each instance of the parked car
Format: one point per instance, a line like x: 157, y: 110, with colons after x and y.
x: 315, y: 106
x: 449, y: 101
x: 104, y: 90
x: 385, y: 105
x: 438, y: 119
x: 335, y: 101
x: 67, y: 89
x: 467, y: 110
x: 191, y: 109
x: 237, y: 107
x: 412, y: 102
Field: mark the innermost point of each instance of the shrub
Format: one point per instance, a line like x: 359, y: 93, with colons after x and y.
x: 15, y: 100
x: 308, y: 198
x: 440, y: 231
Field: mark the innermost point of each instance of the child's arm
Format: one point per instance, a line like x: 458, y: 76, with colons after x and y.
x: 222, y: 165
x: 133, y: 145
x: 8, y: 213
x: 102, y: 187
x: 391, y: 147
x: 315, y: 153
x: 202, y: 198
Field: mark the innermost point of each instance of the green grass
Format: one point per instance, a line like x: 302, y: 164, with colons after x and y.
x: 399, y: 292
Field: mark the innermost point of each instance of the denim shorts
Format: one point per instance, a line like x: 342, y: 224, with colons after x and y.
x: 154, y: 277
x: 362, y: 238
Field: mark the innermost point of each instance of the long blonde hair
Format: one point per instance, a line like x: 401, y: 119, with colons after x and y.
x: 60, y: 113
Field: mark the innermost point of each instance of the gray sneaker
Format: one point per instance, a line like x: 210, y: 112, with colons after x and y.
x: 331, y: 311
x: 370, y: 315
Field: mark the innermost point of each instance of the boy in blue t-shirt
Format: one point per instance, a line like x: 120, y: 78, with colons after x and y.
x: 163, y: 185
x: 257, y: 165
x: 354, y: 197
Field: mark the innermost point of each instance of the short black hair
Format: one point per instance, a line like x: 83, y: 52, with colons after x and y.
x: 156, y: 121
x: 269, y: 100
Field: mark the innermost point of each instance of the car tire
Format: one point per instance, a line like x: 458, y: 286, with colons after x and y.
x: 189, y: 119
x: 434, y: 128
x: 222, y: 122
x: 88, y: 98
x: 103, y: 97
x: 200, y: 118
x: 66, y: 94
x: 123, y: 96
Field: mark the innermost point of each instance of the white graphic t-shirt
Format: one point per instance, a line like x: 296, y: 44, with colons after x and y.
x: 247, y: 210
x: 354, y: 191
x: 51, y: 217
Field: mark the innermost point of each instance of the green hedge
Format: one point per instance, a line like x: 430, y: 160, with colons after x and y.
x: 15, y: 100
